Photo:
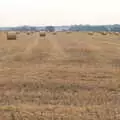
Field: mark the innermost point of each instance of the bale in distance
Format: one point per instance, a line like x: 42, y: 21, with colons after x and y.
x: 32, y: 32
x: 103, y: 33
x: 17, y: 32
x: 42, y: 34
x: 11, y: 36
x: 110, y: 33
x: 68, y: 32
x: 54, y: 33
x: 90, y: 33
x: 116, y: 33
x: 28, y: 33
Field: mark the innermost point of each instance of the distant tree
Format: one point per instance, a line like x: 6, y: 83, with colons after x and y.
x: 116, y: 28
x: 50, y: 29
x: 88, y: 28
x: 33, y: 28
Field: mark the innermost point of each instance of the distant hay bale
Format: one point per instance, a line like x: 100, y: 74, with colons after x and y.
x: 17, y: 32
x: 28, y: 33
x: 42, y: 34
x: 116, y: 33
x: 11, y: 36
x: 90, y: 33
x: 103, y: 33
x: 68, y: 32
x: 110, y: 33
x: 54, y: 33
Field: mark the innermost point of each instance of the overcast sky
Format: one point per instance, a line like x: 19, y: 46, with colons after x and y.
x: 59, y: 12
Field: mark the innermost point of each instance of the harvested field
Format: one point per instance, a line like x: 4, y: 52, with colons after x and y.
x: 65, y: 77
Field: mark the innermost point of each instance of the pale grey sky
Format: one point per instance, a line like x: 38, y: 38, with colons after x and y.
x: 59, y: 12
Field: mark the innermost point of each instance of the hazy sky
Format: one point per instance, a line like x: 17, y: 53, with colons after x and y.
x: 59, y: 12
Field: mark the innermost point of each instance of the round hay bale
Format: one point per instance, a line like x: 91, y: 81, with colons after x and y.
x: 17, y: 33
x: 11, y: 36
x: 68, y: 32
x: 42, y: 34
x: 54, y: 33
x: 28, y: 33
x: 110, y: 33
x: 90, y: 33
x: 103, y: 33
x: 116, y: 33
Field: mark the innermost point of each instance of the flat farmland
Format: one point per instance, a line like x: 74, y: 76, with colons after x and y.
x: 64, y: 76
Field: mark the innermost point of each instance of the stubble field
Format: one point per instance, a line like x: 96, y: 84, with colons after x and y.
x: 67, y: 76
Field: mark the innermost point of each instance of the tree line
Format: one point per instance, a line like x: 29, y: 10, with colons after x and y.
x: 114, y: 28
